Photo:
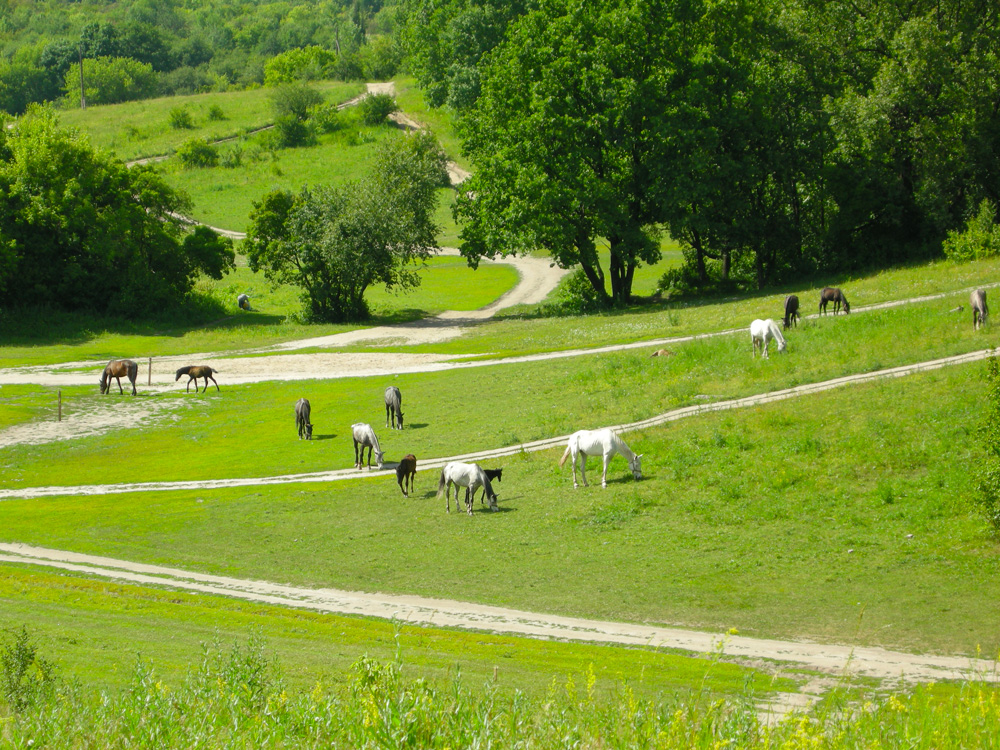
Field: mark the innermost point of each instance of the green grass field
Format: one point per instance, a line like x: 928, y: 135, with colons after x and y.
x: 845, y: 516
x: 580, y: 392
x: 135, y: 130
x: 786, y: 520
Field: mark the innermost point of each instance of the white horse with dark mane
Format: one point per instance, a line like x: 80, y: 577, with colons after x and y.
x: 470, y: 476
x: 604, y: 443
x: 763, y: 331
x: 364, y: 436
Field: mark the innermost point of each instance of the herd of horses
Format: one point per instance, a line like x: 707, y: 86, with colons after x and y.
x: 604, y: 443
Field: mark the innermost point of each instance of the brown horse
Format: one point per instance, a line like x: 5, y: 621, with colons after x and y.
x: 118, y: 369
x: 407, y: 469
x: 194, y: 372
x: 830, y: 294
x: 791, y: 311
x: 980, y: 312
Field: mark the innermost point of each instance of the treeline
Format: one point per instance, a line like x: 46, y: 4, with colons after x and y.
x: 80, y: 230
x: 773, y: 138
x: 134, y: 49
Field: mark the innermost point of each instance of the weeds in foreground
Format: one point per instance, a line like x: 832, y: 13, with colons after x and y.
x: 238, y: 699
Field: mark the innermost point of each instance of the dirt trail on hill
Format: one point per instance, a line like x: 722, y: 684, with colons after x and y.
x: 827, y: 658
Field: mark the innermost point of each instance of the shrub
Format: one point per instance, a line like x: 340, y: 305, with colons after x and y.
x: 325, y: 118
x: 577, y: 295
x: 375, y: 108
x: 25, y: 677
x: 215, y: 113
x: 291, y: 132
x: 197, y: 152
x: 232, y: 157
x: 294, y: 101
x: 180, y: 119
x: 980, y: 238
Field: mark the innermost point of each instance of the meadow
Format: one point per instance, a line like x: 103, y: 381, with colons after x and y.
x: 142, y: 129
x: 846, y: 516
x: 584, y: 391
x: 833, y: 517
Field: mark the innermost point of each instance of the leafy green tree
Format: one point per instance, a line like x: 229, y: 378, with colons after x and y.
x: 567, y: 139
x: 744, y: 142
x: 335, y: 243
x: 980, y: 238
x: 447, y: 39
x: 306, y: 64
x: 110, y: 80
x: 80, y: 230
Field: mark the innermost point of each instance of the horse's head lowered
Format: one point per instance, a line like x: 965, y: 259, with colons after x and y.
x: 636, y: 466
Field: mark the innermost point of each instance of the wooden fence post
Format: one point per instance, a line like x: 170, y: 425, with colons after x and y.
x: 60, y: 406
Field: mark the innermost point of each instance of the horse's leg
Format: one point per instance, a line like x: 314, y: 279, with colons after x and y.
x: 187, y: 388
x: 216, y: 385
x: 604, y: 475
x: 583, y: 469
x: 357, y: 462
x: 119, y: 385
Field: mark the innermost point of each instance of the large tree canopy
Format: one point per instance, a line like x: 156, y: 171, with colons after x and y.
x: 772, y: 138
x: 80, y: 230
x: 566, y: 137
x: 336, y: 242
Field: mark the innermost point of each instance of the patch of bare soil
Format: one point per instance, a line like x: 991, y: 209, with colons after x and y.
x: 115, y: 412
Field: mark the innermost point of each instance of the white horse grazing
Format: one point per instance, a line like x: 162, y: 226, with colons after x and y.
x: 364, y: 436
x: 600, y: 442
x: 762, y: 331
x: 470, y: 476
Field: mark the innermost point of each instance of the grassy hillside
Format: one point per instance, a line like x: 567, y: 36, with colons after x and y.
x: 136, y: 130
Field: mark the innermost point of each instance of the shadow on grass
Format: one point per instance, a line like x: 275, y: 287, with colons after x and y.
x: 331, y: 436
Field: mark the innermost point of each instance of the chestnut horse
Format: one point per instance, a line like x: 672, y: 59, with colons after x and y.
x: 407, y: 469
x: 117, y: 369
x: 194, y: 372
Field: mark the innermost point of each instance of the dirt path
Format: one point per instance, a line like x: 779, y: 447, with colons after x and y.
x: 537, y: 445
x: 828, y: 658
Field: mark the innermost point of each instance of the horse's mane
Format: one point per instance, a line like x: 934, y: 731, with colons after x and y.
x: 183, y: 371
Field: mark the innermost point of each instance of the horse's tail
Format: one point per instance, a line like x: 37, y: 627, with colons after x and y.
x: 565, y: 456
x: 133, y: 370
x: 441, y: 484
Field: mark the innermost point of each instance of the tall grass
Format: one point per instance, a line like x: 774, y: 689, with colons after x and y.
x: 238, y: 698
